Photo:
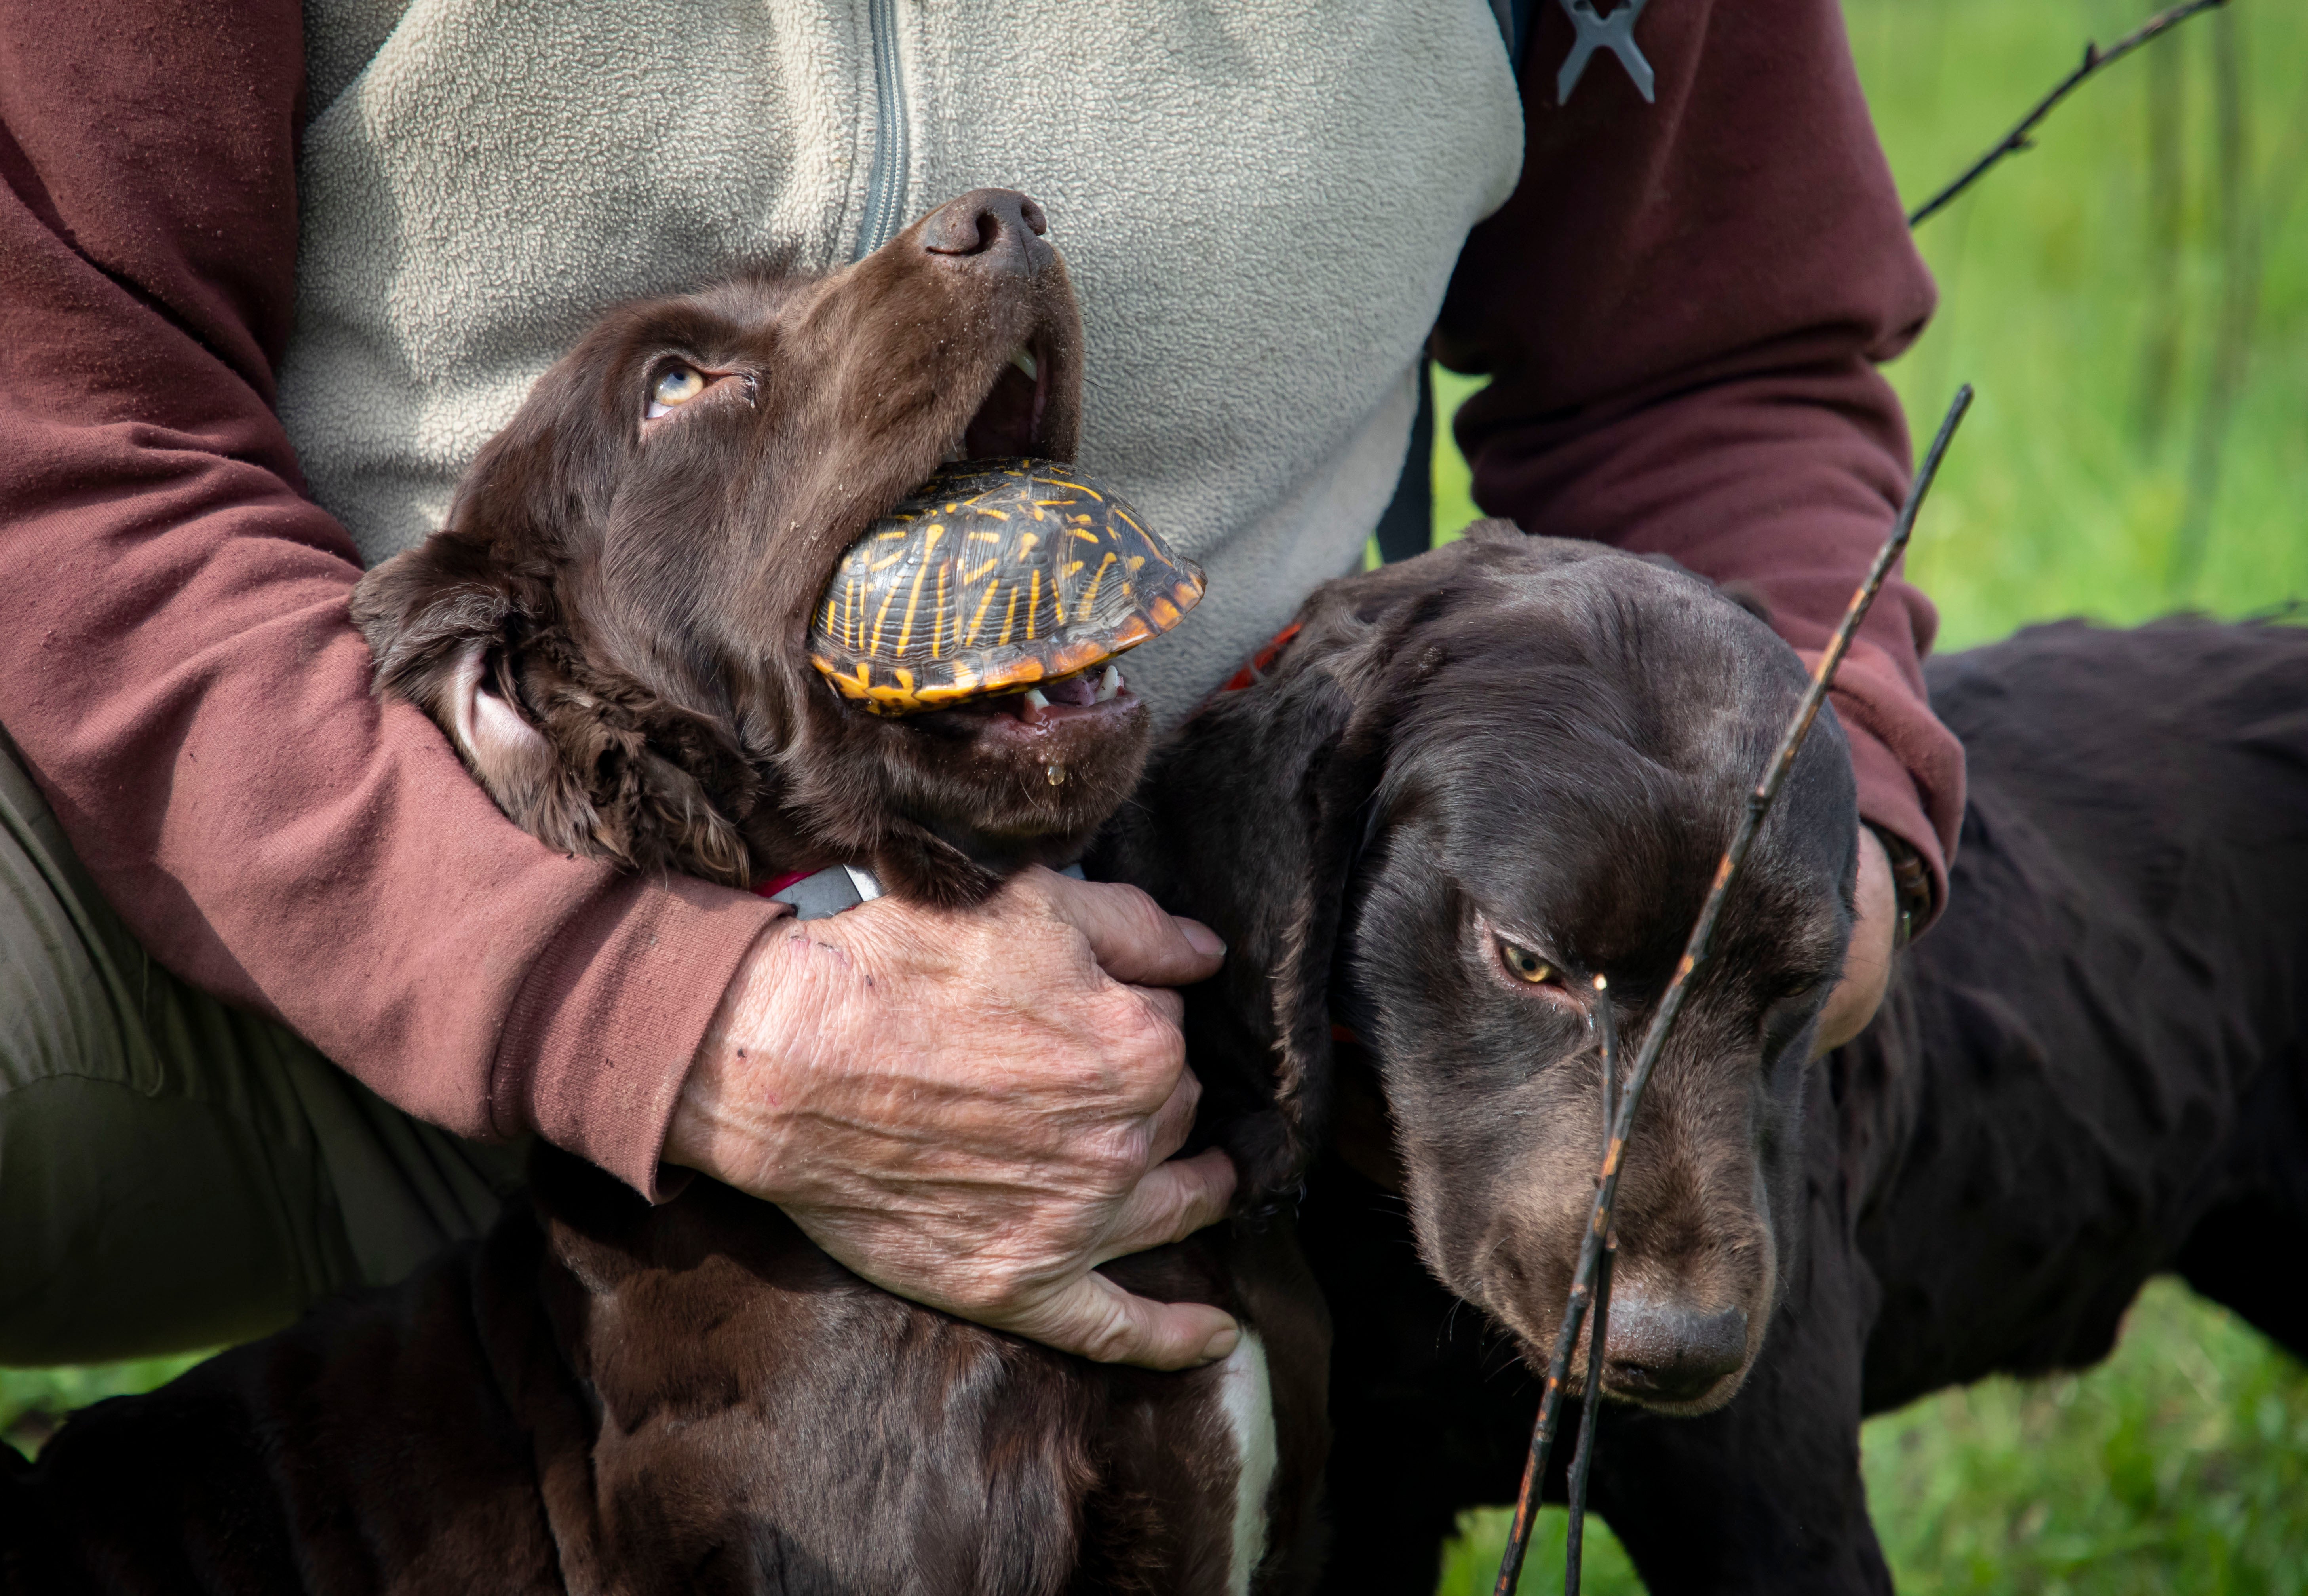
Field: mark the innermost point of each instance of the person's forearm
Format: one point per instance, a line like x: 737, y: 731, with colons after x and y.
x: 176, y: 662
x: 1681, y: 309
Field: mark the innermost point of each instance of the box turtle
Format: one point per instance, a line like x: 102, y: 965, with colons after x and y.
x: 995, y: 577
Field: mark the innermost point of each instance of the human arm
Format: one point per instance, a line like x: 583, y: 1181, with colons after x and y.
x: 1681, y: 309
x: 176, y: 662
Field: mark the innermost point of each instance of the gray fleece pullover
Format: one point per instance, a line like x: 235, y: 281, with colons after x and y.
x: 481, y: 178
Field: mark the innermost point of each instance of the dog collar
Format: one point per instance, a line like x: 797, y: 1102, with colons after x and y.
x: 813, y: 895
x: 1262, y: 661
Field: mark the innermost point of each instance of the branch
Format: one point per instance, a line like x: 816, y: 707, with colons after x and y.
x: 1678, y: 989
x: 2240, y: 240
x: 1590, y: 1404
x: 2094, y: 58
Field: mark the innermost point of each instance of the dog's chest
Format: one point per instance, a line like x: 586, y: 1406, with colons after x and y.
x: 1246, y: 1405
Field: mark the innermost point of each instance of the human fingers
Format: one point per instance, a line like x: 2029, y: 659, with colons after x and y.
x: 1129, y: 936
x: 1098, y: 1320
x: 1164, y: 1001
x: 1867, y: 963
x: 1174, y: 1121
x: 1170, y: 1203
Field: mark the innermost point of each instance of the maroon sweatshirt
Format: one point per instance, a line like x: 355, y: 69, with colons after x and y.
x: 1680, y: 309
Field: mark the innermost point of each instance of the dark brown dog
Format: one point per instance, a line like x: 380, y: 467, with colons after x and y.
x: 2091, y: 1070
x: 1509, y: 766
x: 605, y: 1396
x: 612, y: 626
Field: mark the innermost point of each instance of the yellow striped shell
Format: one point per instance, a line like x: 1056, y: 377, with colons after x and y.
x: 996, y: 575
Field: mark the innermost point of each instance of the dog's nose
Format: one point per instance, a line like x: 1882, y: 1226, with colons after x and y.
x: 1667, y: 1352
x: 998, y: 229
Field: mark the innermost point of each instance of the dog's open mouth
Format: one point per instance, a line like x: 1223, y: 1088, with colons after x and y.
x: 1087, y: 696
x: 1009, y: 419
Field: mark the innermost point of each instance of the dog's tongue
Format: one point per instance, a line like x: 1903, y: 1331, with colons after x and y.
x: 1073, y: 689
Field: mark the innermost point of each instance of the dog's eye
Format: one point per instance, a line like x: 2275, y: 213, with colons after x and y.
x: 678, y: 385
x: 1524, y: 965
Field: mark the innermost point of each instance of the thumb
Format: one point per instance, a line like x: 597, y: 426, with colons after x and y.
x: 1131, y: 937
x: 1097, y: 1319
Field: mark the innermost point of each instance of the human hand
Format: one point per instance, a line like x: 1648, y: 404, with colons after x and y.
x: 1867, y: 965
x: 973, y: 1109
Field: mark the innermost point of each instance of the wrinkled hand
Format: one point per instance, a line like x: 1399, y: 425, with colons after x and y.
x: 973, y: 1109
x: 1867, y: 966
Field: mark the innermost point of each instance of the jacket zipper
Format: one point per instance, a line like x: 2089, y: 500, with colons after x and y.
x: 885, y: 188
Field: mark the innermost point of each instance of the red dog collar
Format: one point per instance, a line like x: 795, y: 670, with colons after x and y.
x: 1262, y: 661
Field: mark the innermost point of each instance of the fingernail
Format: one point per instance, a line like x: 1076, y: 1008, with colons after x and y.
x: 1220, y: 1345
x: 1202, y: 940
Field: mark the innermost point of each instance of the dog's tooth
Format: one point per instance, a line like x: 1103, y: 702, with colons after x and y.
x: 1036, y: 702
x: 1024, y: 361
x: 1108, y: 684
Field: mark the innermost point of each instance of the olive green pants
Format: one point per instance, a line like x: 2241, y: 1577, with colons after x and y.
x: 176, y: 1173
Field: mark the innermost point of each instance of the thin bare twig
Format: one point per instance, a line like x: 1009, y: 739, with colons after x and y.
x: 2239, y: 308
x: 2167, y: 181
x: 2094, y: 58
x: 1590, y: 1404
x: 1678, y: 989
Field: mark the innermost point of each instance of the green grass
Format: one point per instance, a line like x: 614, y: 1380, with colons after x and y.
x: 33, y: 1401
x: 2103, y: 471
x: 2092, y: 478
x: 2180, y: 1465
x: 2105, y: 456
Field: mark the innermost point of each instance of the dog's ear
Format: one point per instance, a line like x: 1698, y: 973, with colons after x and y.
x: 1338, y: 791
x: 582, y: 757
x: 442, y: 621
x: 1252, y: 819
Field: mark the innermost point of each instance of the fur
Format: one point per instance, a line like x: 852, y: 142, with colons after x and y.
x: 637, y: 592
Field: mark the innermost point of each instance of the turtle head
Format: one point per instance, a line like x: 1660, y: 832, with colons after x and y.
x: 614, y: 625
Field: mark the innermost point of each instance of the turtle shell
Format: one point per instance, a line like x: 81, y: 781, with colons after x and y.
x: 993, y: 576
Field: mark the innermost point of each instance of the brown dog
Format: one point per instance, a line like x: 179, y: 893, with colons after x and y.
x: 1514, y: 763
x: 612, y: 626
x: 1510, y: 765
x: 605, y: 1396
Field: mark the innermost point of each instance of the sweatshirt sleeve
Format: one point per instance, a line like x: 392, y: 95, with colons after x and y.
x: 176, y: 666
x: 1681, y: 309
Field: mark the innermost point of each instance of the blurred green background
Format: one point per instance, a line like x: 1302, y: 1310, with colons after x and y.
x: 2132, y: 299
